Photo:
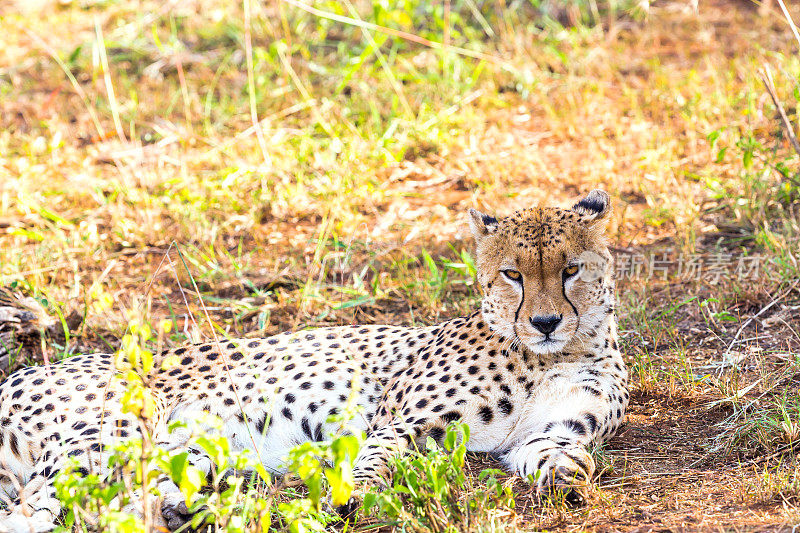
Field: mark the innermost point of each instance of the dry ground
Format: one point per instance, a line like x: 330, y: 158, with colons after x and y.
x: 141, y: 186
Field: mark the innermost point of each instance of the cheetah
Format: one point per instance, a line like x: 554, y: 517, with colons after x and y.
x: 535, y: 372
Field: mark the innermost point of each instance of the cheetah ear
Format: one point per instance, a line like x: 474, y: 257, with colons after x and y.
x: 595, y: 207
x: 481, y: 224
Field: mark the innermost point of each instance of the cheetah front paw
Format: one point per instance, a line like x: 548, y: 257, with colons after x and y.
x: 175, y: 513
x: 566, y: 474
x: 567, y: 483
x: 558, y: 472
x: 349, y: 510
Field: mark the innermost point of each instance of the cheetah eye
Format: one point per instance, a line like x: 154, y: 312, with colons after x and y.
x: 513, y: 275
x: 571, y: 271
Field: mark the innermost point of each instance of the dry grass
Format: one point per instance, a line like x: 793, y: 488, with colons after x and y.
x: 144, y: 184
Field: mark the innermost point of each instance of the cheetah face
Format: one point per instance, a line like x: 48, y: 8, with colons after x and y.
x: 546, y: 273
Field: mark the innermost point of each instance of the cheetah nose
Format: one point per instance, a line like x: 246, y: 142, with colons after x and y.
x: 547, y: 324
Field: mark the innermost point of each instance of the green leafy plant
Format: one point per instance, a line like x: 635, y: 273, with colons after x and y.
x: 430, y: 490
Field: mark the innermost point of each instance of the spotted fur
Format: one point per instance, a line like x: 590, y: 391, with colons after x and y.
x: 536, y: 373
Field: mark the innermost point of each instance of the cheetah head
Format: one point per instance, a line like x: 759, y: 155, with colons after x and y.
x: 546, y: 273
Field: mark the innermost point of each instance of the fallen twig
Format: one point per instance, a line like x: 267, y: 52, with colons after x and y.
x: 761, y: 312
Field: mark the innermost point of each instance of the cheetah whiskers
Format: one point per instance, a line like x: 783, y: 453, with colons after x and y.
x: 583, y: 337
x: 580, y: 339
x: 511, y: 344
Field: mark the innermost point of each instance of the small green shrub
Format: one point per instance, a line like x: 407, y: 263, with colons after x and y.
x: 430, y: 490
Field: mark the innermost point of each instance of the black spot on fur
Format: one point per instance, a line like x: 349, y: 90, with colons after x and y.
x: 451, y: 416
x: 592, y: 421
x: 437, y: 433
x: 306, y: 427
x: 576, y: 426
x: 505, y: 406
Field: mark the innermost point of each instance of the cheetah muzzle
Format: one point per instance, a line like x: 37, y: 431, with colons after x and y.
x: 536, y: 373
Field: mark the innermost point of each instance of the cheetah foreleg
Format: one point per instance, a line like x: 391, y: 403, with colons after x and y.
x: 371, y: 467
x: 372, y: 464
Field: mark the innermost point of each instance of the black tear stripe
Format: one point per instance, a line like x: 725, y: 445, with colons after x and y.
x: 574, y: 309
x: 521, y: 303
